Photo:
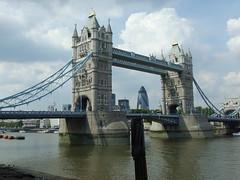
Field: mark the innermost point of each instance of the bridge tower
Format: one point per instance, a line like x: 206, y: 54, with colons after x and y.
x: 92, y: 90
x: 177, y: 88
x: 178, y: 99
x: 94, y: 82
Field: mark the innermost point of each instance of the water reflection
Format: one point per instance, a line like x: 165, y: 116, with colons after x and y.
x: 100, y: 162
x: 166, y: 159
x: 176, y: 158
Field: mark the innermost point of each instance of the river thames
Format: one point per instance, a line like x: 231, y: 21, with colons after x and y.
x: 190, y: 159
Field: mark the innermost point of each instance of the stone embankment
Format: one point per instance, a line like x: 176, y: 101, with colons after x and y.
x: 8, y: 172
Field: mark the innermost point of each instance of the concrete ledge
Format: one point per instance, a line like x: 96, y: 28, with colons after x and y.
x: 182, y: 134
x: 190, y: 126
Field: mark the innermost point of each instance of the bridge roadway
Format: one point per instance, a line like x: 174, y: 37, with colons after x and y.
x: 164, y: 119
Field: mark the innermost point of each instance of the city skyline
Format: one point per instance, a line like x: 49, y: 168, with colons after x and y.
x: 35, y: 46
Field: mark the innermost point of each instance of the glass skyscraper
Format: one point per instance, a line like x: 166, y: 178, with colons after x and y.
x: 142, y: 101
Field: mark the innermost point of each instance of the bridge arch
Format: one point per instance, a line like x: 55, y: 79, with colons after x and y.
x: 83, y: 104
x: 174, y: 109
x: 229, y: 111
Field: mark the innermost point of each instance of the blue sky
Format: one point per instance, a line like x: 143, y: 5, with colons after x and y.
x: 36, y: 41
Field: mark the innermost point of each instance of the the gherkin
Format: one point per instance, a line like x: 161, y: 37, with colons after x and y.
x: 142, y: 101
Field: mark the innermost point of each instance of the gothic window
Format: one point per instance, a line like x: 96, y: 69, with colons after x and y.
x: 172, y: 93
x: 102, y: 98
x: 89, y: 34
x: 99, y: 98
x: 105, y: 98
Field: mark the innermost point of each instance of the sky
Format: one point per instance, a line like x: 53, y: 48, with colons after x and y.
x: 36, y: 37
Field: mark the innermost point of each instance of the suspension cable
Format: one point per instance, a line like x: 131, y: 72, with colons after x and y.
x: 41, y: 89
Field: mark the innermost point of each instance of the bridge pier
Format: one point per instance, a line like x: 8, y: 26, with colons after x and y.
x: 98, y: 128
x: 190, y: 126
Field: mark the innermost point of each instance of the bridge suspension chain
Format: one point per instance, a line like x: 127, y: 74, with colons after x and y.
x: 206, y: 100
x: 217, y: 112
x: 45, y: 87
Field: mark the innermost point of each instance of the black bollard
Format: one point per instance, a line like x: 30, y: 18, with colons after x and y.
x: 138, y: 149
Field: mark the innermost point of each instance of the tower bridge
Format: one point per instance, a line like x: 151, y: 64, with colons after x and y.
x: 93, y: 56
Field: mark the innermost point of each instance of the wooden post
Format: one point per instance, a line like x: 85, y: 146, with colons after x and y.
x: 138, y: 149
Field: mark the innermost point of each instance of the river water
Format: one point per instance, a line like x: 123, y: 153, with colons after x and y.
x: 192, y: 159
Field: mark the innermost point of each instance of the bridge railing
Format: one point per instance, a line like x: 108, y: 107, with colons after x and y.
x: 40, y: 114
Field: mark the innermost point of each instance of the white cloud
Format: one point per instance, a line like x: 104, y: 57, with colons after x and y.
x: 233, y: 28
x: 56, y: 37
x: 233, y: 44
x: 207, y: 80
x: 151, y: 32
x: 232, y: 79
x: 19, y: 76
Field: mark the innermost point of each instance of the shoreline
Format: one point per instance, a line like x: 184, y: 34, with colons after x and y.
x: 14, y: 172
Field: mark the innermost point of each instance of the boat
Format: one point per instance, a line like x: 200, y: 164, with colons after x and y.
x: 236, y: 134
x: 19, y: 137
x: 10, y: 137
x: 44, y: 131
x: 5, y: 137
x: 1, y: 136
x: 22, y: 131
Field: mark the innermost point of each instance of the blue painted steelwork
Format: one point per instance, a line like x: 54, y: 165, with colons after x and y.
x: 40, y: 114
x: 164, y: 119
x: 223, y: 119
x: 138, y: 67
x: 43, y: 88
x: 218, y: 113
x: 139, y: 62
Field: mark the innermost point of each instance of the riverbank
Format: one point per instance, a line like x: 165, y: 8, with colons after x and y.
x: 8, y: 172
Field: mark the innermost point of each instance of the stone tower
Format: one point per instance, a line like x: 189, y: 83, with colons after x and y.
x: 92, y: 91
x: 177, y: 88
x: 92, y: 86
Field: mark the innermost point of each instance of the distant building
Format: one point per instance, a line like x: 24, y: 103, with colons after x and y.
x: 142, y: 101
x: 124, y: 105
x: 54, y: 123
x: 113, y: 100
x: 67, y: 107
x: 31, y: 123
x: 230, y: 105
x: 45, y: 123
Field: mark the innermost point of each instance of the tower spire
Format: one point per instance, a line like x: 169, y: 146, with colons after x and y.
x: 109, y: 29
x: 75, y: 34
x: 189, y: 53
x: 162, y: 56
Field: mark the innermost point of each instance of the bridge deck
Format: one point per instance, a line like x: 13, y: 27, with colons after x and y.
x: 40, y: 114
x: 223, y: 119
x: 164, y: 119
